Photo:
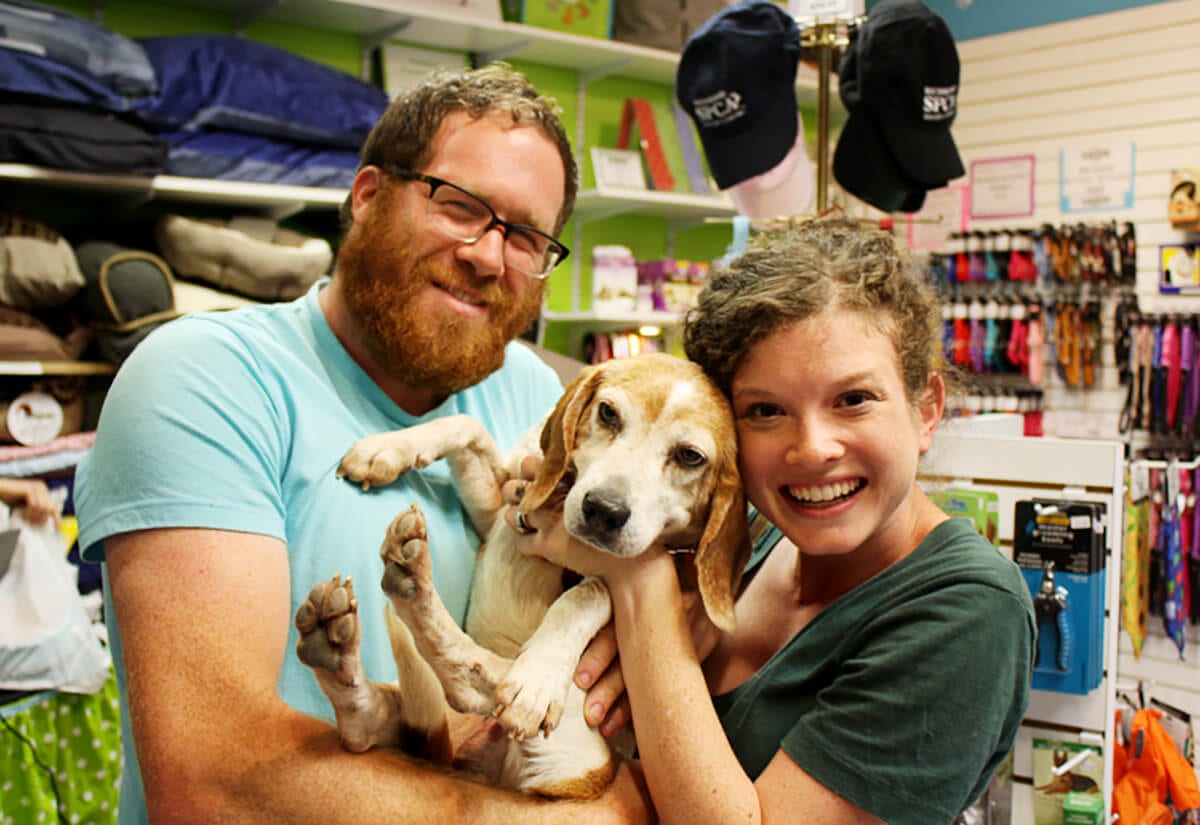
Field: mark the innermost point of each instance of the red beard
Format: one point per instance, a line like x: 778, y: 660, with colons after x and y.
x: 381, y: 278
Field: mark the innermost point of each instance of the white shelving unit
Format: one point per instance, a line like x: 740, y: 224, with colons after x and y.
x: 36, y: 368
x: 269, y: 199
x: 439, y: 25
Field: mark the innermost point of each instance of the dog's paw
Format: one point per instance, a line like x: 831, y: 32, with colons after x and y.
x: 530, y: 698
x: 381, y: 458
x: 329, y: 628
x: 407, y: 571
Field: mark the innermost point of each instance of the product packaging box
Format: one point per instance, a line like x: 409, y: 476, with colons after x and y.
x: 1067, y: 778
x: 1060, y: 548
x: 982, y: 507
x: 587, y: 18
x: 1083, y: 809
x: 614, y: 279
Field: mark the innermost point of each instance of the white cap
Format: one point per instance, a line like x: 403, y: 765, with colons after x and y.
x: 782, y: 191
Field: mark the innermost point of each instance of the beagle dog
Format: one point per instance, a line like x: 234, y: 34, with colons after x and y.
x: 637, y: 452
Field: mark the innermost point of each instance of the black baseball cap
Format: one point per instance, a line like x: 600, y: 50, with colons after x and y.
x: 737, y: 80
x: 899, y: 82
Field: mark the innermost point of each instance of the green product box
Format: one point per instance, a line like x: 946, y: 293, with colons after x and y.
x: 587, y: 18
x: 982, y: 507
x: 1063, y: 771
x: 1083, y: 809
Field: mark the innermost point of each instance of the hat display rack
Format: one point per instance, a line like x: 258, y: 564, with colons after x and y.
x: 824, y: 37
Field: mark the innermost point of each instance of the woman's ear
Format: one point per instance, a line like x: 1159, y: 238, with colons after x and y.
x: 930, y: 409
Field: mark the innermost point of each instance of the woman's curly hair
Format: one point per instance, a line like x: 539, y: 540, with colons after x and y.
x: 816, y: 265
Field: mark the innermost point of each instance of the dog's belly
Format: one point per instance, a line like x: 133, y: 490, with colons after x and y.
x: 510, y: 594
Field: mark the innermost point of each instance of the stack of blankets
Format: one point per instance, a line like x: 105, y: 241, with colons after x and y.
x: 75, y: 95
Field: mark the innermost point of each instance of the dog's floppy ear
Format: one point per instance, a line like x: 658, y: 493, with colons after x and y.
x: 725, y: 545
x: 558, y: 438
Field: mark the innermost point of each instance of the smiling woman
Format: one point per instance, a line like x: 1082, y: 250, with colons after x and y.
x: 844, y: 684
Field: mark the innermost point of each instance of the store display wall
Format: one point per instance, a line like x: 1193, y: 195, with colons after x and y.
x: 1119, y: 78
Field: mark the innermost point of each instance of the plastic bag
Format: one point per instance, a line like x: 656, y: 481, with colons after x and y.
x: 47, y: 641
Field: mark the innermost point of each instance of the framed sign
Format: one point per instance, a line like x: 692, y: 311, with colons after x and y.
x: 618, y: 167
x: 1002, y: 188
x: 1098, y: 177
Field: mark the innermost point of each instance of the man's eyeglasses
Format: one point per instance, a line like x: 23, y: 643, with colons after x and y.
x: 467, y: 218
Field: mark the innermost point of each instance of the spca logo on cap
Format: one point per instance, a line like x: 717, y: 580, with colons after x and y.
x: 718, y: 109
x: 939, y: 102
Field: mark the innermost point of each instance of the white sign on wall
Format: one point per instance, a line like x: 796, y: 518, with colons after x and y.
x: 826, y: 9
x: 1002, y: 187
x: 1098, y: 177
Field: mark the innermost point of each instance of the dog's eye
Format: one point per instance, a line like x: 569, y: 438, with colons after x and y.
x: 689, y: 456
x: 608, y: 416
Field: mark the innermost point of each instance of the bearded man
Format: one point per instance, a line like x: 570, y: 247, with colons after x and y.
x: 211, y: 495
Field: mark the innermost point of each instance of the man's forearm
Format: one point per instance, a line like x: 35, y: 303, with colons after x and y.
x: 313, y: 779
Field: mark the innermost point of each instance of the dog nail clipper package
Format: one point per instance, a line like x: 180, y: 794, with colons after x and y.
x: 1060, y: 548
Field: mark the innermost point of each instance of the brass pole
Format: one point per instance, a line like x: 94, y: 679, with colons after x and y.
x: 824, y: 66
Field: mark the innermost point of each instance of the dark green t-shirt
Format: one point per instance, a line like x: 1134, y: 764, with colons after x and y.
x: 905, y: 694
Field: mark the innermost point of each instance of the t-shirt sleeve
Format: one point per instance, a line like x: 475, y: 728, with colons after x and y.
x: 910, y: 724
x: 195, y: 441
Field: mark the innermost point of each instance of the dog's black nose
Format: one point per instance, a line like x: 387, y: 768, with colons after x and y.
x: 605, y: 512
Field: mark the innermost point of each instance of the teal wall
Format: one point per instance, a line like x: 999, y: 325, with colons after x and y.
x: 979, y: 18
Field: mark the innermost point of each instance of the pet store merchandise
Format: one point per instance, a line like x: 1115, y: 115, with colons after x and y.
x: 1060, y: 547
x: 1074, y: 678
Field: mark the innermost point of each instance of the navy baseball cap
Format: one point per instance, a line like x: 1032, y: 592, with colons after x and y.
x: 737, y: 80
x: 899, y: 82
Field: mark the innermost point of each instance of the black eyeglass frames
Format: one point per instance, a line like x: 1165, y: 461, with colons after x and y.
x: 467, y: 218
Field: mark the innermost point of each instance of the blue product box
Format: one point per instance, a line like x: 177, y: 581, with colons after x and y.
x: 1060, y: 548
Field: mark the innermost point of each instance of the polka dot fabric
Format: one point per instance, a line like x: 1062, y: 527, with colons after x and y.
x: 75, y: 737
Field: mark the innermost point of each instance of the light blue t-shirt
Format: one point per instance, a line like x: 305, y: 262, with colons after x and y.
x: 237, y: 421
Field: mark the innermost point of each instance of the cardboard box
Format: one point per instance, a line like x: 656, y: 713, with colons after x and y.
x: 587, y: 18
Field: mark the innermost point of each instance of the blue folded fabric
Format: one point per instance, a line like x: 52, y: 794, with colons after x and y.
x: 64, y: 39
x: 32, y: 76
x: 220, y: 82
x: 236, y: 156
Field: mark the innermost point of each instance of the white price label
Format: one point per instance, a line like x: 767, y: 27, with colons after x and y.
x: 34, y: 418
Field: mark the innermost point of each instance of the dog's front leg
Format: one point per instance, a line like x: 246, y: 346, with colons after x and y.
x: 478, y: 466
x: 531, y: 696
